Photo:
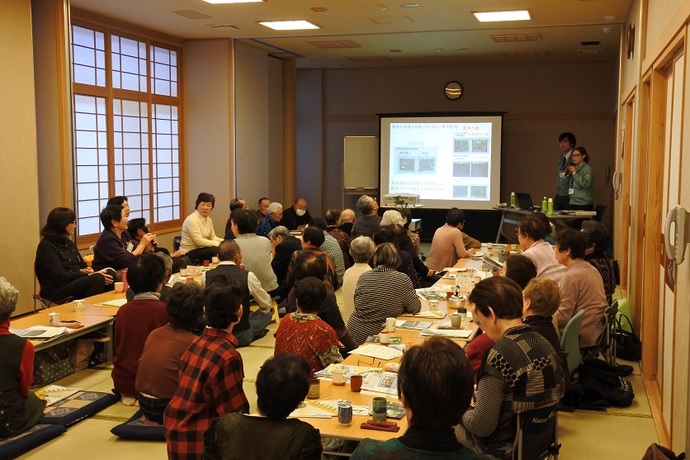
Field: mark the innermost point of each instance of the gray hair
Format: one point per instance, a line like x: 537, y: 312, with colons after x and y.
x: 361, y: 249
x: 167, y: 261
x: 392, y: 217
x: 347, y: 215
x: 364, y: 204
x: 274, y: 207
x: 8, y: 299
x: 280, y: 230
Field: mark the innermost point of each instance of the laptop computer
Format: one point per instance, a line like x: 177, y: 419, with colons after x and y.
x: 524, y: 201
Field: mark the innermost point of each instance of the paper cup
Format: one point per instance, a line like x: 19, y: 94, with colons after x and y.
x: 119, y: 286
x: 390, y: 324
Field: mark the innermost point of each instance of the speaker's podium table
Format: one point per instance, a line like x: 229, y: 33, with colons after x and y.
x: 510, y: 218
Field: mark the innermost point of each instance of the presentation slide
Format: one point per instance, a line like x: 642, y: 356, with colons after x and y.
x: 449, y: 161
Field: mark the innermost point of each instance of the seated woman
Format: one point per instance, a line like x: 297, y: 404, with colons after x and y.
x: 385, y: 235
x: 110, y: 251
x: 380, y: 293
x: 531, y: 234
x: 309, y: 264
x: 520, y: 372
x: 519, y: 269
x: 414, y: 236
x: 435, y: 384
x: 199, y: 240
x: 157, y: 378
x: 135, y: 320
x: 303, y: 333
x: 281, y: 385
x: 21, y: 409
x: 582, y: 288
x: 598, y: 239
x: 60, y: 269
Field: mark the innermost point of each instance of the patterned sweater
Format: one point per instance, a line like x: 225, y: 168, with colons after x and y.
x: 519, y: 373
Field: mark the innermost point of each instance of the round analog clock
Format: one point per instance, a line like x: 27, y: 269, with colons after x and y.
x: 453, y: 90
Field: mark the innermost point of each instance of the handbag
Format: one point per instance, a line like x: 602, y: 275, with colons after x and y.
x: 52, y: 364
x: 657, y: 452
x: 628, y: 345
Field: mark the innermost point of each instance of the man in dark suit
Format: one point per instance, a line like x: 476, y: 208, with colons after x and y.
x: 296, y: 217
x: 284, y: 245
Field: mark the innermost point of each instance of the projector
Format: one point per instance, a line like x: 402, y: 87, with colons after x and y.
x: 400, y: 199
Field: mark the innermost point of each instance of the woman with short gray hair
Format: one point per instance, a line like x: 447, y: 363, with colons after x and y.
x: 361, y: 250
x: 21, y: 409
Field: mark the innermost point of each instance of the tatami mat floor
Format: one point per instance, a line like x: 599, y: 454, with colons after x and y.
x: 614, y: 434
x: 619, y: 433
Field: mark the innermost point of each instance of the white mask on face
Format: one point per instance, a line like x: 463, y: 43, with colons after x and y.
x: 300, y: 212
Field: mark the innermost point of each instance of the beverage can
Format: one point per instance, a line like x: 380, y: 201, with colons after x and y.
x: 344, y: 412
x: 378, y: 409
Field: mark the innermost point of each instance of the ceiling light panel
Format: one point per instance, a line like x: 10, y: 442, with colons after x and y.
x: 502, y: 16
x: 289, y: 25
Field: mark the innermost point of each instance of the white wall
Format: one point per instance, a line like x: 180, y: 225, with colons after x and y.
x: 19, y: 226
x: 259, y: 129
x: 209, y: 119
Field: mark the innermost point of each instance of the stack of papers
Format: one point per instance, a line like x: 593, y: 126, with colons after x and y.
x: 115, y: 303
x: 385, y: 382
x: 413, y: 325
x: 431, y: 294
x: 377, y: 351
x: 306, y: 410
x: 327, y: 373
x: 437, y: 314
x: 454, y: 333
x: 40, y: 332
x: 53, y: 394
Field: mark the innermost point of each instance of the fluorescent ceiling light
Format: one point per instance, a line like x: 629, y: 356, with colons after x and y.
x: 501, y: 16
x: 289, y: 25
x: 234, y: 1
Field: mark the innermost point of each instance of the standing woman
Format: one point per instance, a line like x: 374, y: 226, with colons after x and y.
x: 581, y: 180
x: 60, y: 269
x: 199, y: 238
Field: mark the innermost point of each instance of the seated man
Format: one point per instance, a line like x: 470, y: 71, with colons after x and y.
x: 157, y: 377
x: 447, y: 246
x: 330, y: 245
x: 110, y: 251
x: 435, y: 384
x: 21, y: 409
x: 347, y: 220
x: 303, y: 333
x: 284, y: 245
x: 370, y: 220
x: 165, y: 290
x: 281, y: 385
x: 343, y: 238
x: 256, y: 249
x: 211, y: 375
x: 273, y: 218
x: 235, y: 203
x: 262, y: 206
x: 135, y: 320
x: 137, y: 228
x: 297, y: 216
x: 582, y: 287
x: 312, y: 239
x: 252, y: 326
